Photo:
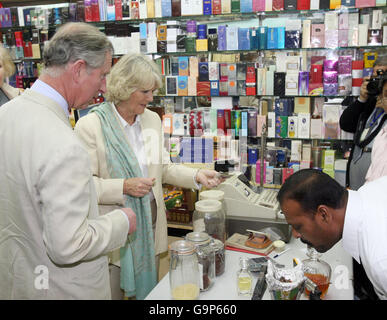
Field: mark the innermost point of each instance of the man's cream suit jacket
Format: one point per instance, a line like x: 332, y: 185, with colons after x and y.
x: 53, y: 242
x: 110, y: 191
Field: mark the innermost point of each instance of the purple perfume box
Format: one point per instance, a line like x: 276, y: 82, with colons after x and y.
x: 330, y: 89
x: 345, y: 65
x: 303, y: 83
x: 191, y: 26
x: 330, y: 77
x: 330, y: 65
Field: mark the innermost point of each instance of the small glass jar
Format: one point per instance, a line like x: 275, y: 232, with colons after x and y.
x: 206, y: 258
x: 220, y: 257
x: 184, y: 271
x: 317, y: 271
x: 209, y: 217
x: 244, y: 278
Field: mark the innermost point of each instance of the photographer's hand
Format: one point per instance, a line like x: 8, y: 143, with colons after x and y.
x: 363, y: 90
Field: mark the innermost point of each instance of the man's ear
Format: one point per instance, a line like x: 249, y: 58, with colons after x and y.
x: 324, y: 214
x: 77, y: 68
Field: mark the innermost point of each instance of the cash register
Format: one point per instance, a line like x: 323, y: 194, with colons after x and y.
x: 249, y: 206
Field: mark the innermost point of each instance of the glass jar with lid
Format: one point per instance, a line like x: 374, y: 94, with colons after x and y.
x: 208, y: 217
x: 206, y: 258
x: 317, y: 271
x: 220, y: 257
x: 214, y: 195
x: 184, y: 271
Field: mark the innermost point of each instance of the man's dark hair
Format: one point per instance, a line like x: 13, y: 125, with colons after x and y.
x: 311, y: 188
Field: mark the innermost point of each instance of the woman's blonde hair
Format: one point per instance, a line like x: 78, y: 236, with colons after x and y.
x: 132, y: 72
x: 8, y: 65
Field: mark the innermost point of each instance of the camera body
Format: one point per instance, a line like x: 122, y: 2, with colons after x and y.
x: 375, y: 84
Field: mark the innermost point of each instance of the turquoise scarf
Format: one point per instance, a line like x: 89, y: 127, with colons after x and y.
x: 138, y: 268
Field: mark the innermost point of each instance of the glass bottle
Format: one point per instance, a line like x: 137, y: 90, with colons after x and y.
x: 317, y: 270
x: 209, y: 217
x: 244, y: 278
x: 220, y: 261
x: 206, y: 258
x: 183, y: 271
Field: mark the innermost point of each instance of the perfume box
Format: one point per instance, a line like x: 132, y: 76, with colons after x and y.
x: 183, y: 66
x: 281, y: 126
x: 207, y: 8
x: 203, y: 71
x: 235, y: 6
x: 203, y: 88
x: 333, y: 4
x: 272, y: 38
x: 316, y: 73
x: 246, y: 6
x: 231, y: 71
x: 223, y: 87
x: 216, y: 7
x: 271, y: 124
x: 292, y: 126
x: 171, y: 85
x: 317, y: 37
x: 365, y: 3
x: 193, y: 66
x: 262, y: 37
x: 316, y: 128
x: 254, y: 39
x: 261, y: 121
x: 279, y: 83
x: 162, y: 32
x: 241, y: 71
x: 213, y: 70
x: 278, y: 5
x: 214, y: 88
x: 241, y: 87
x: 325, y: 4
x: 226, y: 6
x: 223, y: 71
x: 269, y: 82
x: 314, y: 4
x: 243, y: 39
x: 232, y: 88
x: 375, y: 37
x: 303, y: 125
x: 222, y: 38
x: 303, y: 81
x: 343, y: 38
x: 363, y: 35
x: 252, y: 123
x: 192, y: 86
x: 290, y: 4
x: 182, y: 89
x: 345, y: 84
x: 292, y: 39
x: 348, y: 3
x: 201, y: 44
x: 251, y: 89
x: 301, y: 105
x: 250, y: 73
x: 345, y: 65
x: 331, y: 89
x: 330, y: 65
x: 303, y: 4
x: 232, y: 38
x: 261, y: 81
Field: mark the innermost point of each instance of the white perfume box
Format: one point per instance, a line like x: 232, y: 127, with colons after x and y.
x: 363, y: 35
x: 271, y: 124
x: 304, y: 125
x: 316, y: 128
x: 296, y: 147
x: 306, y: 33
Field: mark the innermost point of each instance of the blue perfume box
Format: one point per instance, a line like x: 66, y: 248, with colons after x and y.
x: 166, y: 8
x: 246, y: 5
x: 292, y: 39
x: 214, y: 88
x: 207, y: 8
x: 222, y: 42
x: 272, y: 38
x: 254, y: 39
x: 262, y: 37
x: 280, y: 37
x: 243, y: 39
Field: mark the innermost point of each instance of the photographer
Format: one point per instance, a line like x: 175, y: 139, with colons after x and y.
x: 364, y: 117
x: 378, y: 166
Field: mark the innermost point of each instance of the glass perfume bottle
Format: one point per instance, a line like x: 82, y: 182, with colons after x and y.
x: 317, y: 270
x: 244, y: 278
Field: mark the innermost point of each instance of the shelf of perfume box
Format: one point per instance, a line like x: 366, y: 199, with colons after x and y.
x: 372, y: 47
x: 258, y: 96
x: 210, y: 18
x: 258, y: 137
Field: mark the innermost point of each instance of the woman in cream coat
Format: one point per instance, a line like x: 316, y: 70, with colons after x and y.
x: 124, y: 121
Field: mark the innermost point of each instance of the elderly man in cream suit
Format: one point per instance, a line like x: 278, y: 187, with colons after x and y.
x: 53, y: 242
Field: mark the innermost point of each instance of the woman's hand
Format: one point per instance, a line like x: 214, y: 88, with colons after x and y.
x: 208, y: 178
x: 138, y: 187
